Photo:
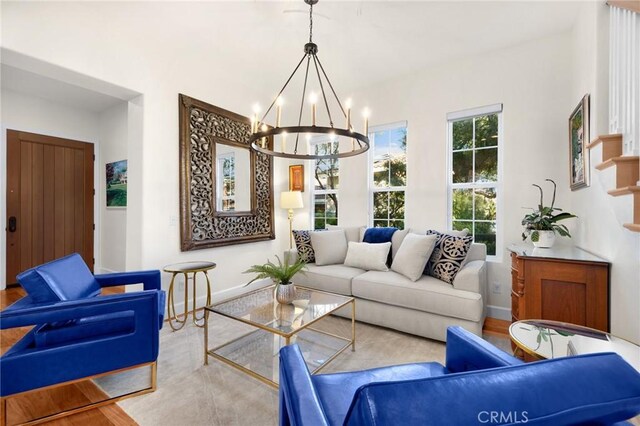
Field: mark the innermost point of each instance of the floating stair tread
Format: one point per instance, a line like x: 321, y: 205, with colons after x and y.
x: 624, y: 191
x: 605, y: 138
x: 612, y: 161
x: 635, y: 227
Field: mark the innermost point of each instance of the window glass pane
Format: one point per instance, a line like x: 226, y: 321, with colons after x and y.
x: 320, y: 206
x: 462, y: 204
x: 396, y: 205
x: 326, y: 173
x: 380, y: 205
x: 380, y: 223
x: 398, y: 157
x: 485, y: 204
x: 485, y: 233
x: 486, y: 165
x: 463, y: 134
x: 462, y: 166
x: 331, y: 206
x: 397, y: 224
x: 332, y: 221
x: 487, y: 130
x: 461, y: 225
x: 319, y: 223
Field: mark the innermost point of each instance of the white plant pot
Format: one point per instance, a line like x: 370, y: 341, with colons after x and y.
x: 546, y: 239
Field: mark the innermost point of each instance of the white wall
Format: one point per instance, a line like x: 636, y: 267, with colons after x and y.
x: 531, y: 80
x: 35, y: 115
x: 159, y: 70
x: 114, y: 137
x: 599, y: 230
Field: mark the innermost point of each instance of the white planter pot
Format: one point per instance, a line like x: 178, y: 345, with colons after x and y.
x: 546, y: 239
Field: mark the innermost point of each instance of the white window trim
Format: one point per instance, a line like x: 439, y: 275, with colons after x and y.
x: 312, y: 191
x: 371, y: 188
x: 470, y: 113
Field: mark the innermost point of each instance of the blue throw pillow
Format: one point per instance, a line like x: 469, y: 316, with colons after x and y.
x: 378, y: 235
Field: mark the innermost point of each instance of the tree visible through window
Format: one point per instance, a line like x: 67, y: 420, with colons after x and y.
x: 389, y: 175
x: 325, y: 181
x: 474, y: 176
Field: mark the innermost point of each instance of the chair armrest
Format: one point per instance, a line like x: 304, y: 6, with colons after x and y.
x: 472, y: 277
x: 299, y: 402
x: 467, y: 352
x: 150, y: 279
x: 74, y: 309
x: 291, y: 255
x: 588, y: 389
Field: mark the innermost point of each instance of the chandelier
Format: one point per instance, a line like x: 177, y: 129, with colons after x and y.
x: 295, y: 141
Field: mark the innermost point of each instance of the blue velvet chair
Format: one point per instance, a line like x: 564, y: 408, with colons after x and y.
x: 479, y: 384
x: 77, y: 333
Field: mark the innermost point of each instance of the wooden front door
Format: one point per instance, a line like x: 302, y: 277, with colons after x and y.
x: 49, y: 200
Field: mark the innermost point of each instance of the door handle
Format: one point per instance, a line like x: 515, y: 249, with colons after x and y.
x: 12, y: 224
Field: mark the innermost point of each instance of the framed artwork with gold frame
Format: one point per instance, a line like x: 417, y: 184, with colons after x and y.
x: 296, y: 178
x: 578, y: 140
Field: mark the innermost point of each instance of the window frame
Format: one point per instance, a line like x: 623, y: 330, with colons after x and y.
x: 318, y: 140
x: 498, y: 185
x: 370, y: 178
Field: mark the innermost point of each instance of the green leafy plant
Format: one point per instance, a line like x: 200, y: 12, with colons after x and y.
x: 545, y: 218
x: 280, y: 273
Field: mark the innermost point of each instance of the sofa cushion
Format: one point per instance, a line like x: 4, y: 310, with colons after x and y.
x: 370, y: 257
x: 448, y: 256
x: 67, y: 278
x: 330, y: 247
x: 303, y: 246
x: 331, y: 278
x: 83, y: 328
x: 337, y: 390
x: 353, y: 233
x: 428, y: 294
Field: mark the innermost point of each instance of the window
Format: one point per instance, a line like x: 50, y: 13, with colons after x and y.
x: 474, y: 185
x: 388, y: 171
x: 226, y: 181
x: 325, y: 178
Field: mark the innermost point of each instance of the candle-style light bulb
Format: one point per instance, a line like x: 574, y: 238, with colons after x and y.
x: 256, y: 111
x: 347, y: 104
x: 313, y: 98
x: 365, y: 114
x: 264, y: 128
x: 279, y: 103
x: 283, y: 145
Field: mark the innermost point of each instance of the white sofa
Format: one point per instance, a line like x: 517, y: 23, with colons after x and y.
x: 425, y: 307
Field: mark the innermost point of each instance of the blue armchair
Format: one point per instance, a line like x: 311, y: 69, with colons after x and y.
x: 479, y: 384
x: 78, y: 334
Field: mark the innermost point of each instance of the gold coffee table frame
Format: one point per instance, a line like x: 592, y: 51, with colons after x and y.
x: 186, y: 268
x: 287, y: 336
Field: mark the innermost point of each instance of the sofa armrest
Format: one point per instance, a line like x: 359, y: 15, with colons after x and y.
x: 588, y: 389
x: 291, y: 255
x: 149, y: 279
x: 472, y: 277
x: 468, y: 352
x: 299, y: 402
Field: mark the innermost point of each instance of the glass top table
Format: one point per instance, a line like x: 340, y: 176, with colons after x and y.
x: 275, y: 325
x: 544, y: 339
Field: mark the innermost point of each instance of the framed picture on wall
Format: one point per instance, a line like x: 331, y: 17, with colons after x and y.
x: 296, y: 178
x: 116, y: 183
x: 578, y: 140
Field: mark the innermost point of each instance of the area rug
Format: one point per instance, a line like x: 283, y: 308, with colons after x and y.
x: 191, y: 393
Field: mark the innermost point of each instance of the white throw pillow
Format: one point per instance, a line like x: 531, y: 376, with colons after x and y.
x: 413, y: 255
x: 396, y: 241
x: 370, y: 257
x: 330, y: 247
x: 353, y: 233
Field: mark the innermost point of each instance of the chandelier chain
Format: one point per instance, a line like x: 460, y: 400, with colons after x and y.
x: 311, y: 23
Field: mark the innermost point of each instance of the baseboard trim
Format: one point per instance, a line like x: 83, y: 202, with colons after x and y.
x: 499, y: 312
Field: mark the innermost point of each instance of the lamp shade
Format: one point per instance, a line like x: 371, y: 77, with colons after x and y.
x: 291, y: 200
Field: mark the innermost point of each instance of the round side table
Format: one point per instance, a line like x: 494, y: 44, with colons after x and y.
x: 186, y: 268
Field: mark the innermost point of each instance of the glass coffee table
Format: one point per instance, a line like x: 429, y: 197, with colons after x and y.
x: 257, y: 352
x: 545, y: 339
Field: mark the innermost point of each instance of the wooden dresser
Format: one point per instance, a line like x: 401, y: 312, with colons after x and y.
x: 562, y: 284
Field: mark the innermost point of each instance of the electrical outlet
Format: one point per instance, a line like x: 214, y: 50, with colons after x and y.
x: 496, y: 288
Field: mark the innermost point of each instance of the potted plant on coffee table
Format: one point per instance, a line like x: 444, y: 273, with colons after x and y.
x: 281, y: 275
x: 541, y: 225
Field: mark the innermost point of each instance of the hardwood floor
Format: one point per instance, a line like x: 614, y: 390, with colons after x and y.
x: 42, y: 403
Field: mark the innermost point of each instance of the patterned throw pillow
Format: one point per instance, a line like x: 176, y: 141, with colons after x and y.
x: 304, y: 247
x: 448, y: 255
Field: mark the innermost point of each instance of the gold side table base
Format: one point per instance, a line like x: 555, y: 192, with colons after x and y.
x: 178, y: 321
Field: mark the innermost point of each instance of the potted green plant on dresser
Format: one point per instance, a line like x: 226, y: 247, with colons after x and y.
x: 281, y: 275
x: 541, y: 224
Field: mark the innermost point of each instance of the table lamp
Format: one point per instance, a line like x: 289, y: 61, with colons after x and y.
x: 291, y: 200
